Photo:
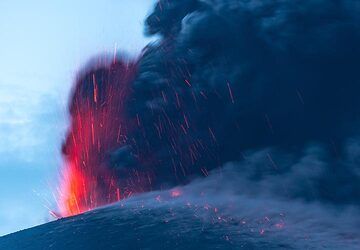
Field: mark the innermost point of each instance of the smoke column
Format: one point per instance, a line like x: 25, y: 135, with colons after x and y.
x: 227, y: 81
x: 229, y: 77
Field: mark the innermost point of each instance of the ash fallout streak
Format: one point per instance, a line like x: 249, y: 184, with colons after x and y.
x: 227, y: 80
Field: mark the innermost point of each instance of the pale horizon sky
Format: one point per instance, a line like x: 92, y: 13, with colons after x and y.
x: 43, y: 44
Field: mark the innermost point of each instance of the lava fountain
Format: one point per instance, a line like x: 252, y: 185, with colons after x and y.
x: 97, y: 126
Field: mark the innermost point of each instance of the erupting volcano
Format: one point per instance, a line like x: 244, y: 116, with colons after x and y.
x: 98, y: 125
x: 259, y: 98
x: 223, y: 80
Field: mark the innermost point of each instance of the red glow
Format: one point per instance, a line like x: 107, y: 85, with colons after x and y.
x: 97, y: 127
x: 175, y: 193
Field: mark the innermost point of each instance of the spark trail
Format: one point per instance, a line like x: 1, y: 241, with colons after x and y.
x: 97, y: 127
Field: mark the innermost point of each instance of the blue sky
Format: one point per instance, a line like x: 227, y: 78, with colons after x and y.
x: 42, y: 44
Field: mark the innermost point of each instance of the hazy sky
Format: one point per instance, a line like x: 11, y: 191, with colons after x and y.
x: 42, y: 44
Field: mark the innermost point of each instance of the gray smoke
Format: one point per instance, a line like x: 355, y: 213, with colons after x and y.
x: 229, y: 77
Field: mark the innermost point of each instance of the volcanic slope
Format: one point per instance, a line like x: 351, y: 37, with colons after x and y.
x: 188, y: 218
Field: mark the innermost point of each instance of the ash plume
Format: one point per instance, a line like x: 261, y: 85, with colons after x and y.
x: 231, y: 78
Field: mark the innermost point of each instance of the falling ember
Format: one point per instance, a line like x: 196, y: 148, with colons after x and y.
x: 97, y: 113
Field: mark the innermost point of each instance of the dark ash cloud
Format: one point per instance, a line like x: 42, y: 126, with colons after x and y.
x: 231, y: 76
x: 228, y: 78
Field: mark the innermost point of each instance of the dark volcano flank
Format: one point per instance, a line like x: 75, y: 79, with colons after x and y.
x: 230, y: 77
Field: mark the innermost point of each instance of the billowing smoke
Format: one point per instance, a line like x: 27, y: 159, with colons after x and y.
x: 233, y: 76
x: 230, y: 81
